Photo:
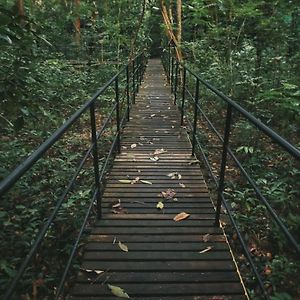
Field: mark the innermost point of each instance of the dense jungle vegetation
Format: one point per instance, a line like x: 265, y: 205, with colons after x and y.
x: 56, y: 54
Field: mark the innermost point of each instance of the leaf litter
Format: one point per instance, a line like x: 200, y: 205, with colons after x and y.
x: 122, y: 246
x: 205, y: 250
x: 117, y: 291
x: 168, y: 194
x: 206, y: 238
x: 160, y: 205
x: 181, y: 216
x: 174, y: 175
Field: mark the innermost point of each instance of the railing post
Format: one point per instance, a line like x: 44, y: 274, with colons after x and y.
x: 95, y: 159
x: 127, y: 92
x: 141, y: 68
x: 183, y: 95
x: 176, y: 82
x: 172, y: 74
x: 118, y: 114
x: 133, y: 81
x: 195, y: 116
x: 137, y: 73
x: 223, y: 163
x: 169, y: 63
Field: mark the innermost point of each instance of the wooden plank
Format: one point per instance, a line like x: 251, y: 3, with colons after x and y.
x: 167, y: 277
x: 160, y: 265
x: 151, y: 230
x: 212, y: 297
x: 155, y: 237
x: 157, y: 246
x: 163, y: 259
x: 159, y: 289
x: 154, y: 256
x: 154, y: 223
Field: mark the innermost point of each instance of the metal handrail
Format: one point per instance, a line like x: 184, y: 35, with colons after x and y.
x: 231, y: 105
x: 133, y: 68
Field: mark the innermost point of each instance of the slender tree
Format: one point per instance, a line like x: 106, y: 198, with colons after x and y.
x: 77, y: 21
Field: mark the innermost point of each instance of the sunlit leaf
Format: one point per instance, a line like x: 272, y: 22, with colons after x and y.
x: 154, y: 158
x: 146, y: 181
x: 98, y: 272
x: 116, y: 204
x: 117, y: 291
x: 159, y: 151
x: 123, y: 247
x: 174, y: 175
x: 124, y: 180
x: 181, y: 216
x: 206, y: 249
x: 136, y: 180
x: 160, y: 205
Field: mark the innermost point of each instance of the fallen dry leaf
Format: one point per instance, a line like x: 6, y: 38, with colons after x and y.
x: 136, y: 180
x: 124, y: 180
x: 123, y: 247
x: 154, y: 158
x: 159, y: 151
x: 181, y: 216
x: 206, y: 238
x: 174, y: 175
x: 168, y: 194
x: 93, y: 271
x: 160, y: 205
x: 133, y: 146
x: 117, y: 291
x: 145, y: 181
x: 182, y: 185
x: 206, y: 249
x: 116, y: 204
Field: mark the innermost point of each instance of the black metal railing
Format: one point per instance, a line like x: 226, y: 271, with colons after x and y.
x: 177, y: 73
x: 131, y: 77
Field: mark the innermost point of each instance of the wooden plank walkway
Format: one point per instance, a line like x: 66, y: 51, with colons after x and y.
x: 163, y: 259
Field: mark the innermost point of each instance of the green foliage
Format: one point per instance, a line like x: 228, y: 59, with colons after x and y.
x: 250, y: 51
x: 44, y: 77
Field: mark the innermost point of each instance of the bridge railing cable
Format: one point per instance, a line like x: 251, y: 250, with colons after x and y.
x: 130, y: 77
x: 178, y: 75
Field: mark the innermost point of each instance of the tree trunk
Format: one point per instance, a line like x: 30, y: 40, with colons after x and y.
x: 77, y: 22
x: 21, y: 11
x: 179, y: 24
x: 169, y: 29
x: 133, y: 42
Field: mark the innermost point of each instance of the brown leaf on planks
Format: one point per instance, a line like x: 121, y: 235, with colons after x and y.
x: 206, y: 238
x: 168, y: 194
x: 181, y: 216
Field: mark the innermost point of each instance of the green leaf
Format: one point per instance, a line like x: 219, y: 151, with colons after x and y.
x: 160, y: 205
x: 6, y: 39
x: 117, y: 291
x: 124, y: 181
